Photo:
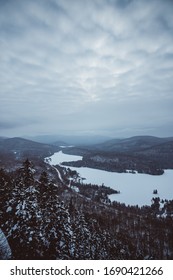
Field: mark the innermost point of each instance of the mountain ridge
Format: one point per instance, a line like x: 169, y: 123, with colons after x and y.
x: 134, y: 143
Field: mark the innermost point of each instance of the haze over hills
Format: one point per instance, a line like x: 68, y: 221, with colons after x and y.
x: 125, y: 145
x: 69, y: 139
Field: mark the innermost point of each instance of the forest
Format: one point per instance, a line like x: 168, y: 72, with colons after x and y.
x: 44, y: 218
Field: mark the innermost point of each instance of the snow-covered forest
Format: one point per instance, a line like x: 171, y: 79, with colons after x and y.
x: 43, y: 217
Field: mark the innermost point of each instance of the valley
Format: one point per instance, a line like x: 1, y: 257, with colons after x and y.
x: 56, y: 210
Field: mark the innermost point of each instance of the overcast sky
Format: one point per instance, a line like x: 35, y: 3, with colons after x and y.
x: 100, y: 67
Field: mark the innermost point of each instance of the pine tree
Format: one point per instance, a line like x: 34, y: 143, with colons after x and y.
x: 23, y: 213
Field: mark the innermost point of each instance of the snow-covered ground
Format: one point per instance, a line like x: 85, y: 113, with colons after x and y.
x: 135, y: 189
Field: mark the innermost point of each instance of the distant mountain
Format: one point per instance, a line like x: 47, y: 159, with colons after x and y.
x: 165, y: 148
x: 18, y: 143
x: 70, y: 139
x: 45, y: 139
x: 132, y: 144
x: 2, y: 138
x: 60, y: 143
x: 25, y: 148
x: 145, y: 154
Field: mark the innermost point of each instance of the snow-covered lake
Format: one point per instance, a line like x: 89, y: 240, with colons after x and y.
x: 59, y: 157
x: 135, y: 189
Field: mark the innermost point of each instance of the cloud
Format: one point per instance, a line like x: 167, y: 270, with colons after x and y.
x: 86, y: 65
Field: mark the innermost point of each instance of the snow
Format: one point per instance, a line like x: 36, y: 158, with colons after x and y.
x: 135, y: 189
x: 9, y: 209
x: 59, y: 157
x: 59, y: 174
x: 15, y: 227
x: 75, y: 188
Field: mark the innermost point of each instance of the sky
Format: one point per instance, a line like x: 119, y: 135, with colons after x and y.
x: 86, y: 67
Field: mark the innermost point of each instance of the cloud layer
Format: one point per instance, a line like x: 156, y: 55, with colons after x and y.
x: 96, y: 66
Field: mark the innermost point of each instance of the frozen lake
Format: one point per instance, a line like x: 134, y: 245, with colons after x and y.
x: 135, y: 189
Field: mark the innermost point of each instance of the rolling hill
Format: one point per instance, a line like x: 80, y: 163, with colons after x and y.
x: 146, y: 154
x: 13, y: 150
x: 132, y: 144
